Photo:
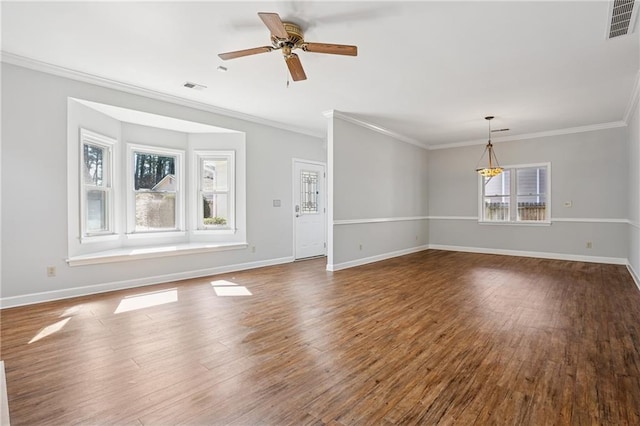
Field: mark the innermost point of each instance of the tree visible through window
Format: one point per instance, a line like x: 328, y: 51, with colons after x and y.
x: 155, y: 185
x: 96, y: 200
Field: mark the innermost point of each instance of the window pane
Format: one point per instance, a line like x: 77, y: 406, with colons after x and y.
x: 155, y: 211
x: 96, y: 206
x: 498, y: 185
x: 93, y: 170
x: 215, y: 209
x: 496, y: 197
x: 215, y: 192
x: 155, y: 184
x: 309, y: 191
x: 215, y: 175
x: 496, y: 210
x: 531, y: 181
x: 531, y: 184
x: 154, y: 172
x: 532, y: 210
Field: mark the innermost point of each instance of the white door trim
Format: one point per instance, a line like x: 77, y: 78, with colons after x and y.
x: 295, y: 160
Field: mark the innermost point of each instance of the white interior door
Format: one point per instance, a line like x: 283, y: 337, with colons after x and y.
x: 310, y: 212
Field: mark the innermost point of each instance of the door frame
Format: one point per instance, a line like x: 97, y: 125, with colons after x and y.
x: 295, y: 160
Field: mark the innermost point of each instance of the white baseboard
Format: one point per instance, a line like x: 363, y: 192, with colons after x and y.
x: 634, y: 275
x: 47, y: 296
x: 536, y: 254
x: 376, y: 258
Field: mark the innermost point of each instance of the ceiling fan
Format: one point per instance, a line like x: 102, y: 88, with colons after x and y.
x: 288, y: 36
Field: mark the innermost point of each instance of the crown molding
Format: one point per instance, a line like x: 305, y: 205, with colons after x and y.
x: 633, y: 101
x: 36, y: 65
x: 374, y: 127
x: 557, y: 132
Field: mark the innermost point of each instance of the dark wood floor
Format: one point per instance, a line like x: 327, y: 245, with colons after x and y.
x: 433, y: 337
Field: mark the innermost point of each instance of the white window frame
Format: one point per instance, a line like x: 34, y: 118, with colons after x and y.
x: 198, y: 157
x: 513, y: 197
x: 87, y: 137
x: 179, y: 230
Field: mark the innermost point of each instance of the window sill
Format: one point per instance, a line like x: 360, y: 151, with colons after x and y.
x: 521, y: 223
x: 214, y: 231
x: 126, y: 254
x: 162, y: 234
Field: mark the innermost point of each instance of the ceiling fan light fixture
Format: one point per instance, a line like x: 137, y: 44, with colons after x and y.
x: 493, y: 167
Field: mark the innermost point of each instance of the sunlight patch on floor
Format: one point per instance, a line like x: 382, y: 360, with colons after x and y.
x: 69, y: 312
x: 50, y: 329
x: 146, y: 300
x: 224, y: 288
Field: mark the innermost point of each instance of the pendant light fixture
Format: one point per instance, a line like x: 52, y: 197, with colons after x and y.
x: 493, y: 168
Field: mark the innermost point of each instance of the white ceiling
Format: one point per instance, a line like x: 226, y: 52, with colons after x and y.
x: 427, y: 70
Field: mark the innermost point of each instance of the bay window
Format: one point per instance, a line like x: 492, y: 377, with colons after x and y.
x: 147, y: 191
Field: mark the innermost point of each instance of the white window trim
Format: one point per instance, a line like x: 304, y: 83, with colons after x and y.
x: 179, y: 230
x: 513, y: 199
x: 198, y: 157
x: 109, y: 144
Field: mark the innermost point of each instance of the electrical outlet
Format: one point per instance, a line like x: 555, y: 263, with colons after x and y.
x: 360, y: 246
x: 589, y: 244
x: 568, y: 203
x: 51, y: 271
x: 253, y: 249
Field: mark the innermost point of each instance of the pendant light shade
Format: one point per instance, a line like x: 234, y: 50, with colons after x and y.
x: 493, y: 168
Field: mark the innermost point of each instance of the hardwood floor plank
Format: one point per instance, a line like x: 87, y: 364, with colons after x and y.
x: 434, y: 337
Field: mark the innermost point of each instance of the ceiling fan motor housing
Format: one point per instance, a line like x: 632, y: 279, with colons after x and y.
x: 295, y: 39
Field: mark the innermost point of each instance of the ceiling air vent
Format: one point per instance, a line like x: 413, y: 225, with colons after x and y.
x: 622, y: 13
x: 194, y: 86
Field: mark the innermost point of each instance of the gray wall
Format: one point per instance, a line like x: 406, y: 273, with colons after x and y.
x: 380, y: 191
x: 34, y: 190
x: 374, y: 180
x: 633, y: 156
x: 589, y: 169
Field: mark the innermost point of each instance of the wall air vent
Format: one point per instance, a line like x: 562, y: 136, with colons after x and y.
x: 622, y: 15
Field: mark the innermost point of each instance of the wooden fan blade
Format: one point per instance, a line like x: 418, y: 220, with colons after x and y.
x: 245, y: 52
x: 295, y: 67
x: 333, y: 49
x: 274, y: 23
